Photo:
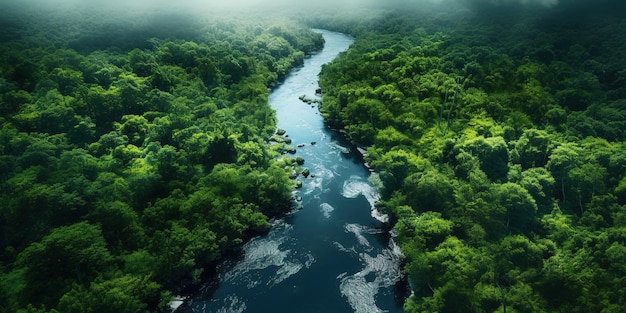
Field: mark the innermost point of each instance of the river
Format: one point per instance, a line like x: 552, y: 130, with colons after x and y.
x: 331, y: 255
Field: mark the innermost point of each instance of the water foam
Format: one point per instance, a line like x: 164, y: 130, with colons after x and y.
x: 356, y: 186
x: 324, y: 172
x: 381, y: 217
x: 287, y: 270
x: 338, y: 147
x: 232, y: 304
x: 259, y: 254
x: 341, y: 248
x: 326, y: 209
x: 265, y: 254
x: 361, y: 292
x: 319, y: 175
x: 358, y: 230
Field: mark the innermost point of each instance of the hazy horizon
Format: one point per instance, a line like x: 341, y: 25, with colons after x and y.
x: 198, y: 6
x: 128, y: 17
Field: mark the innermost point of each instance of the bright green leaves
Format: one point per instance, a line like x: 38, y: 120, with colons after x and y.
x: 395, y: 166
x: 532, y: 149
x: 67, y: 80
x: 162, y: 149
x: 521, y: 208
x: 134, y: 127
x: 428, y: 230
x: 180, y: 251
x: 620, y: 191
x: 493, y: 146
x: 276, y: 46
x: 578, y: 174
x: 445, y: 277
x: 104, y: 104
x: 429, y: 191
x: 122, y: 294
x: 390, y: 137
x: 71, y: 254
x: 53, y: 113
x: 132, y: 92
x: 540, y: 185
x: 492, y: 153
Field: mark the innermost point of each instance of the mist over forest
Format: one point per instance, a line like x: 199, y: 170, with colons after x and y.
x: 201, y: 7
x: 138, y: 148
x: 160, y: 18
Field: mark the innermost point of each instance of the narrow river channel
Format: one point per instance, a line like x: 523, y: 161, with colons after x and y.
x: 331, y: 255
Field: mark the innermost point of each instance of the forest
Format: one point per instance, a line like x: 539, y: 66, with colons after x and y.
x: 135, y: 150
x: 497, y: 138
x: 133, y: 155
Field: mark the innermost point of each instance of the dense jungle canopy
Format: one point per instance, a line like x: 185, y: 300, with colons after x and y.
x: 134, y: 152
x: 498, y: 140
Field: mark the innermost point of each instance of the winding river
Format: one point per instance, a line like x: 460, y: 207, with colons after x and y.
x: 331, y: 255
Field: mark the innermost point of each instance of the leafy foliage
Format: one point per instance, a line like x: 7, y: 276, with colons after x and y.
x: 500, y: 148
x: 126, y: 170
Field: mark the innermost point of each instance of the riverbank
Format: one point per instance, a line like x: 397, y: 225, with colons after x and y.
x: 332, y: 248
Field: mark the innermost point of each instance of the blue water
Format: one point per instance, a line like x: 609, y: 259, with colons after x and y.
x: 329, y: 256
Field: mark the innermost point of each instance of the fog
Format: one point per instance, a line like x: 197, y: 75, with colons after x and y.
x: 180, y: 17
x: 205, y: 6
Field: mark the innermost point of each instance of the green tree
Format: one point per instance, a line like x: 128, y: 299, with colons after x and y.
x: 540, y: 185
x: 180, y: 252
x: 396, y: 165
x: 120, y: 225
x: 532, y: 149
x: 121, y: 294
x: 562, y: 159
x: 445, y: 277
x: 492, y: 154
x: 521, y: 208
x: 429, y: 191
x: 66, y: 79
x: 425, y: 231
x: 71, y: 254
x: 134, y: 127
x: 141, y: 62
